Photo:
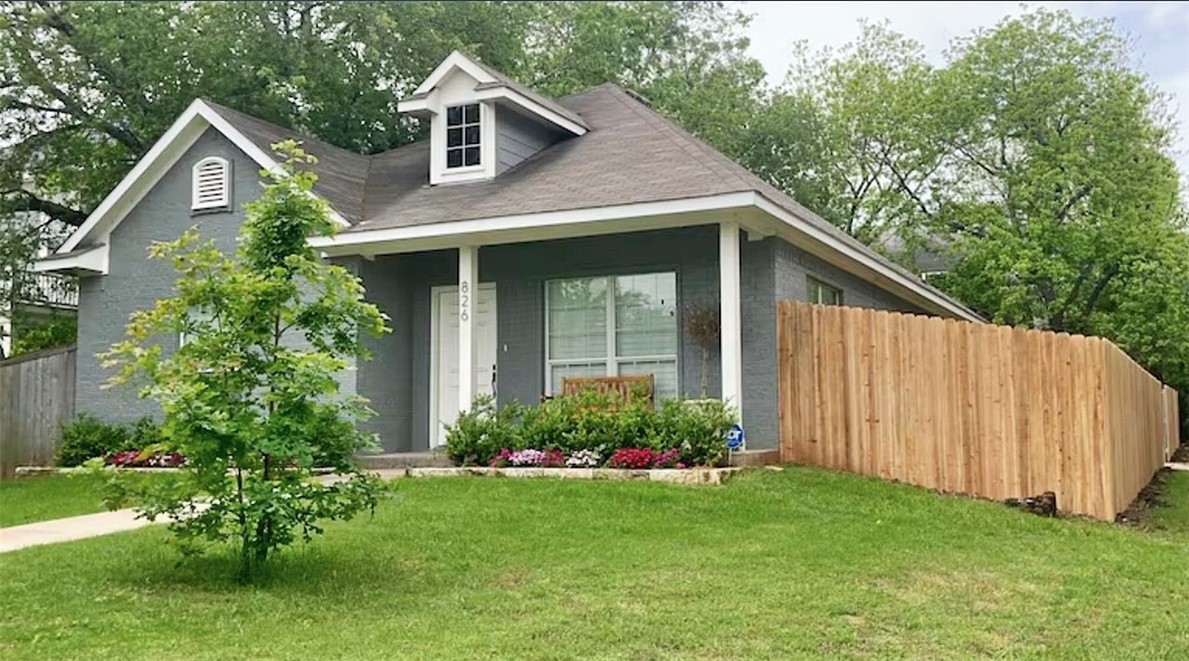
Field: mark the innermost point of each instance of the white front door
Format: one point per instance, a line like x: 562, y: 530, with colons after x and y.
x: 444, y: 408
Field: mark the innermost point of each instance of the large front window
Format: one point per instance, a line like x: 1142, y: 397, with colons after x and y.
x: 613, y: 326
x: 462, y: 136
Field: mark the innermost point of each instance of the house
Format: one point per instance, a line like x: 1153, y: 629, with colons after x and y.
x: 526, y: 240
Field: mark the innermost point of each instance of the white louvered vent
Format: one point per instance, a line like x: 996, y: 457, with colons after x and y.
x: 212, y: 184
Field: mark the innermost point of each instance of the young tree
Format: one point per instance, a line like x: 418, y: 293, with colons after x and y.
x: 251, y: 398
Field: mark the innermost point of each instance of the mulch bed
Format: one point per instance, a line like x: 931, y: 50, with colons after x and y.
x: 1149, y: 497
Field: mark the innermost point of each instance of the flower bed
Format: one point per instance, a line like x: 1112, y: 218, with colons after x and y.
x: 591, y: 430
x: 145, y: 459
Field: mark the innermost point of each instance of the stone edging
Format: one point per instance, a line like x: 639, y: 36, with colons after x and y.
x: 669, y: 475
x: 672, y: 476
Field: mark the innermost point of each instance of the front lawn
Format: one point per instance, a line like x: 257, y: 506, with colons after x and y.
x: 45, y: 497
x: 802, y: 563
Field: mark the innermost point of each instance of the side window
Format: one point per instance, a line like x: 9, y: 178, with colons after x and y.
x: 211, y: 184
x: 823, y: 294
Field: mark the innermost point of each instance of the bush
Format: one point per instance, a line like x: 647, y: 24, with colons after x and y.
x: 590, y: 429
x: 698, y: 429
x: 88, y: 437
x: 479, y: 434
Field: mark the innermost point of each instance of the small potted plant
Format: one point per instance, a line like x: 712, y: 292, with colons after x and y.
x: 702, y: 326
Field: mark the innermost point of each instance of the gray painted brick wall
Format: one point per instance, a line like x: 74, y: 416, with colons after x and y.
x: 794, y: 266
x: 135, y: 282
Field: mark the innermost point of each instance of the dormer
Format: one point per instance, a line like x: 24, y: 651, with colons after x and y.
x: 483, y: 123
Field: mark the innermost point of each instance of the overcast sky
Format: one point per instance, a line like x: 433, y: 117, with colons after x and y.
x: 1160, y: 29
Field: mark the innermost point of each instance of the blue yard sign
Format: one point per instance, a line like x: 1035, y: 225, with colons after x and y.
x: 735, y: 438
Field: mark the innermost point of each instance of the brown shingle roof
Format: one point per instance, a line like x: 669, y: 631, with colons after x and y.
x: 631, y: 154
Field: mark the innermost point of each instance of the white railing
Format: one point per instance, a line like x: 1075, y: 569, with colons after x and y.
x: 53, y: 290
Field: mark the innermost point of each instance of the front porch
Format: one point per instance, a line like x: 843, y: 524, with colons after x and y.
x: 511, y: 320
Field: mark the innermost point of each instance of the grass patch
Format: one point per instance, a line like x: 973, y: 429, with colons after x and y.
x: 45, y: 497
x: 1169, y: 513
x: 797, y: 564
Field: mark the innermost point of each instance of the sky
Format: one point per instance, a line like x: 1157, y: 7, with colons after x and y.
x: 1160, y: 30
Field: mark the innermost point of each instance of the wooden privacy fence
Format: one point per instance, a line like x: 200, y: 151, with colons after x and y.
x: 985, y: 410
x: 36, y: 398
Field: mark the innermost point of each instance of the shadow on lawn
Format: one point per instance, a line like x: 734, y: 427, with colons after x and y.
x: 341, y: 560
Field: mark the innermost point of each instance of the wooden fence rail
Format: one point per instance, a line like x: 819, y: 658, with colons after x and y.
x: 36, y: 398
x: 979, y: 409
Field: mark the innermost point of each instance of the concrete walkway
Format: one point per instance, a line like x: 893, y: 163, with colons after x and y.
x: 104, y: 523
x: 68, y: 529
x: 1173, y: 465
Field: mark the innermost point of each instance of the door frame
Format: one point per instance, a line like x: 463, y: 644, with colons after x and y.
x: 435, y: 328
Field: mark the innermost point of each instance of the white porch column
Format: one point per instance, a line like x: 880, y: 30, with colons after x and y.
x: 731, y: 334
x: 468, y: 284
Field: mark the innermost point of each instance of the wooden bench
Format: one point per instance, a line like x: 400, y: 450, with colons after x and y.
x: 626, y: 387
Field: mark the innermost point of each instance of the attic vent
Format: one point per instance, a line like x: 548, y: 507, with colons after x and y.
x: 212, y: 184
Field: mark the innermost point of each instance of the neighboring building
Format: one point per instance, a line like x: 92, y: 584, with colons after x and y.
x: 39, y: 298
x: 578, y: 231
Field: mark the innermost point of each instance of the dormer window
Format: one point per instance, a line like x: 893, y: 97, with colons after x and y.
x: 462, y: 136
x: 211, y: 184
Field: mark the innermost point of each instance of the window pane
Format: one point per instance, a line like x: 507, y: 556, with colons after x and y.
x: 472, y: 157
x: 453, y: 137
x: 577, y: 319
x: 472, y: 135
x: 453, y: 158
x: 472, y: 113
x: 664, y: 375
x: 453, y: 116
x: 646, y: 315
x: 559, y: 372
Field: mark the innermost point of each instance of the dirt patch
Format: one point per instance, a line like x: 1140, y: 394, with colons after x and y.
x: 1149, y: 498
x: 1181, y: 454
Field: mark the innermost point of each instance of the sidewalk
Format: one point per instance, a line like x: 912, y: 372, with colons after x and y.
x: 104, y: 523
x: 68, y: 529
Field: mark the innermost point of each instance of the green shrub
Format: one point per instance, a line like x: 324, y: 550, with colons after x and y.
x: 143, y: 433
x: 89, y: 437
x: 697, y: 428
x: 480, y: 433
x: 593, y: 422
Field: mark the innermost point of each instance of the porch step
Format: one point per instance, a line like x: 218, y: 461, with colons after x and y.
x: 404, y: 460
x: 755, y: 458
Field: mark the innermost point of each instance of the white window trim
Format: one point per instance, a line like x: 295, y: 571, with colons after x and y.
x: 221, y: 202
x: 817, y: 285
x: 612, y: 361
x: 438, y: 172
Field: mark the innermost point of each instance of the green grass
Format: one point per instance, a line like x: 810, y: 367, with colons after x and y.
x: 1171, y: 515
x: 797, y: 564
x: 41, y: 498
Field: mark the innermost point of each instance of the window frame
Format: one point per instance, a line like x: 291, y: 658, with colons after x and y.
x: 611, y: 360
x: 818, y: 286
x: 219, y: 204
x: 463, y: 146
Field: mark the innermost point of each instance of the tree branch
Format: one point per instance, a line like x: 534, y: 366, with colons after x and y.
x: 59, y: 212
x: 1096, y: 293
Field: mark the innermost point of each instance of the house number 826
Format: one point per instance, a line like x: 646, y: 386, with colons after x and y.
x: 464, y: 301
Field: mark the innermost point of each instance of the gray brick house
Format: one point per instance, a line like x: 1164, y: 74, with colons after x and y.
x: 528, y: 239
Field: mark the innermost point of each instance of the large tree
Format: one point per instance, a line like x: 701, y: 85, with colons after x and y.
x: 1037, y: 157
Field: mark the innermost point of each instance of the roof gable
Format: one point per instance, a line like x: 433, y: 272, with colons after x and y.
x: 491, y: 85
x: 180, y: 136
